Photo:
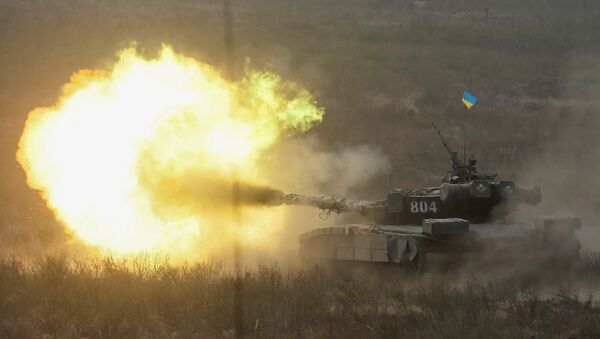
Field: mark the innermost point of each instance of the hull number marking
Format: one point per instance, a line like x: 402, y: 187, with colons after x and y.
x: 423, y: 206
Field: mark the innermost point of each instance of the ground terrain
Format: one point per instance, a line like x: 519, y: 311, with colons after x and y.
x: 148, y: 298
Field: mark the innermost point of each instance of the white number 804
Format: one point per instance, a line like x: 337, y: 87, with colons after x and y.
x: 423, y: 206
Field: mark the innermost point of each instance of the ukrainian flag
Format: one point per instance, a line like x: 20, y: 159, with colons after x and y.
x: 469, y: 99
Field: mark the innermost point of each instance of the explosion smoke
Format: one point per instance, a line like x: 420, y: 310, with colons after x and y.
x: 138, y: 158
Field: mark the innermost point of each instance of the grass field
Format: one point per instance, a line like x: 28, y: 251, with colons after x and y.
x: 149, y: 298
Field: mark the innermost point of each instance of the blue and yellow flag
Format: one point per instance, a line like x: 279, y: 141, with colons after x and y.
x: 469, y: 99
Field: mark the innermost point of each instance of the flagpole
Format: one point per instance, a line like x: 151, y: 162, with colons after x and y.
x: 469, y: 100
x: 465, y: 138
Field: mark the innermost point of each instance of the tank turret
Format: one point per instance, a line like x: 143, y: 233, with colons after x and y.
x: 476, y: 201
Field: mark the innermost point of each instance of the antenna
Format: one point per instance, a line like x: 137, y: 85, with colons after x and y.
x: 442, y: 137
x: 458, y: 167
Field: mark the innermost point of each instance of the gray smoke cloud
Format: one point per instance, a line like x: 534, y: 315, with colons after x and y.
x: 306, y: 166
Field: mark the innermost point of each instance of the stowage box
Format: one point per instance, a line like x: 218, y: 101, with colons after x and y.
x: 445, y: 226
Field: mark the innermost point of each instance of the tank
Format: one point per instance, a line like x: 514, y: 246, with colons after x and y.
x: 468, y: 212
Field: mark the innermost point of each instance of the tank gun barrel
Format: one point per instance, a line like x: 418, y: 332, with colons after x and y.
x: 327, y: 203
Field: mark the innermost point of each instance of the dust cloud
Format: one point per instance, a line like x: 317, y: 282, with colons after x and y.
x: 567, y: 168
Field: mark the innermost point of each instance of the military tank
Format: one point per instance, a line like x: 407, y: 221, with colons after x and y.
x: 467, y: 213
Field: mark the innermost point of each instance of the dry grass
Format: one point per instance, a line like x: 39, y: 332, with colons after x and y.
x: 150, y: 298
